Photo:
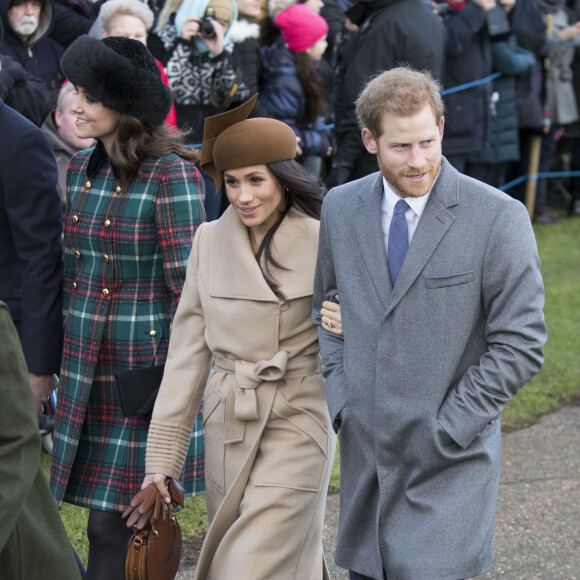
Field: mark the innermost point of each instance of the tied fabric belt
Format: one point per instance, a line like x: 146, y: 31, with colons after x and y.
x: 249, y: 376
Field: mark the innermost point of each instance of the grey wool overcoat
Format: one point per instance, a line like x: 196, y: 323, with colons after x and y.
x: 425, y: 368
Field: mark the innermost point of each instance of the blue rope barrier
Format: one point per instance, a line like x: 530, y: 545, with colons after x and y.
x: 545, y: 174
x: 482, y: 81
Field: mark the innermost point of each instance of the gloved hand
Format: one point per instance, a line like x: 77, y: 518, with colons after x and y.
x: 11, y: 73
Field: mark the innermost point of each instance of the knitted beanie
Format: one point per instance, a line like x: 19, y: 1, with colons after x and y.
x: 121, y: 74
x: 300, y: 27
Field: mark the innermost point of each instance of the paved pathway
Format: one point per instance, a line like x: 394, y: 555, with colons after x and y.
x: 537, y: 533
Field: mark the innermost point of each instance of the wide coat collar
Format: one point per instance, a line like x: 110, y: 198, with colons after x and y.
x: 235, y: 272
x: 432, y: 227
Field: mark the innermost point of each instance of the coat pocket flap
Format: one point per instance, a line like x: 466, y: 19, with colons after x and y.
x: 454, y: 280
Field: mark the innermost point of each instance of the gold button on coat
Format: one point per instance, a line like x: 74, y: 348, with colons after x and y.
x: 106, y: 258
x: 77, y: 254
x: 105, y: 292
x: 88, y: 185
x: 107, y: 223
x: 75, y: 219
x: 153, y: 333
x: 118, y: 189
x: 74, y: 285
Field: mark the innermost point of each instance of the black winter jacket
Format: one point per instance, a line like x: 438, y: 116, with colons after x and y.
x: 391, y: 33
x: 468, y: 50
x: 41, y: 55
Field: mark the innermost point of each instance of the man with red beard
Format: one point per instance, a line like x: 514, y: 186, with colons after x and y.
x: 442, y: 300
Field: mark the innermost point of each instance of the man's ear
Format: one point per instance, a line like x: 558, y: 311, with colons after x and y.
x: 58, y: 117
x: 369, y: 141
x: 441, y: 125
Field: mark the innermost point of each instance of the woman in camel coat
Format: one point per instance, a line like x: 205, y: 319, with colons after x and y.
x: 269, y: 443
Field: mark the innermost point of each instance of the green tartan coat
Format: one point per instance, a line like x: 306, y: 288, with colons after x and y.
x: 125, y: 256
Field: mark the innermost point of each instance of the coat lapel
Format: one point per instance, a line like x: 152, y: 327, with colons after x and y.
x: 432, y: 227
x: 235, y: 272
x: 369, y: 231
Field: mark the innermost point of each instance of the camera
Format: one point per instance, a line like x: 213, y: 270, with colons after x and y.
x: 206, y: 27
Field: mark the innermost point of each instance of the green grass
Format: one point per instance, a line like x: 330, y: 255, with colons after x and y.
x: 193, y: 519
x: 557, y: 383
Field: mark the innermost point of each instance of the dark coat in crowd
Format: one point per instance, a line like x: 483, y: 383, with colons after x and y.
x: 21, y: 90
x: 245, y: 37
x: 73, y: 18
x: 30, y: 240
x: 334, y: 14
x: 503, y: 143
x: 391, y: 33
x: 33, y: 540
x: 468, y: 59
x: 282, y: 95
x: 41, y: 55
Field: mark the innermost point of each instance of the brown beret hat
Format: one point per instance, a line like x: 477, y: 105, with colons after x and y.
x: 231, y: 141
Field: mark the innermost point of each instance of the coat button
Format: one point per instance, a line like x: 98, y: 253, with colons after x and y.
x: 105, y: 292
x: 75, y: 286
x: 153, y: 333
x: 88, y: 185
x: 106, y: 258
x: 118, y: 189
x: 107, y: 223
x: 75, y: 219
x: 77, y: 255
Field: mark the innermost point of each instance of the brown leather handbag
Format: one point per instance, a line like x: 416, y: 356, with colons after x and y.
x: 154, y: 550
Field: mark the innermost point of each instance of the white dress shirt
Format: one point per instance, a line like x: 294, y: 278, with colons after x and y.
x: 412, y: 215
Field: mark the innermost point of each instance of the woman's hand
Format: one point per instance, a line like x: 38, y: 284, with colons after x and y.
x: 159, y: 480
x: 331, y: 318
x: 189, y: 29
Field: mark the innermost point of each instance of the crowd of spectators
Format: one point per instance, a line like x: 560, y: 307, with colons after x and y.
x: 491, y: 120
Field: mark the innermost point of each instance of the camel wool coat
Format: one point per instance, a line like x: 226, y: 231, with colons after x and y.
x: 268, y: 439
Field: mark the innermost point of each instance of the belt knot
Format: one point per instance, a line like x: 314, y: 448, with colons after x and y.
x: 249, y: 376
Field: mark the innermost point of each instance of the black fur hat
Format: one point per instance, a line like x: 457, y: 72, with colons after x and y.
x: 120, y: 73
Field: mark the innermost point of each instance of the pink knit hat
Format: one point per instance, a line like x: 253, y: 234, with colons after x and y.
x: 300, y: 27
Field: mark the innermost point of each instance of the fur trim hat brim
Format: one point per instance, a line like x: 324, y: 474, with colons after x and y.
x: 121, y: 74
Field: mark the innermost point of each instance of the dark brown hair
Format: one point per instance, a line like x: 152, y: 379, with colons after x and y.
x: 136, y: 140
x: 301, y: 190
x: 311, y: 85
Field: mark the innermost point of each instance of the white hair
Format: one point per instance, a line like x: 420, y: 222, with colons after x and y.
x: 113, y: 8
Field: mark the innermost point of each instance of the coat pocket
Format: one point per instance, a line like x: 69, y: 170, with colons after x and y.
x: 294, y: 449
x: 214, y: 433
x: 454, y: 280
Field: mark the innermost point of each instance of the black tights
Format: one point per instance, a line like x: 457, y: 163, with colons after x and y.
x: 108, y: 539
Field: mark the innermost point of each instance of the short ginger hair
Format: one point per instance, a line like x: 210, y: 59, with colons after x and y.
x: 403, y: 91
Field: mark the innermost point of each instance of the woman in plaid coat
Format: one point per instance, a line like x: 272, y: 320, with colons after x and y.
x: 135, y: 201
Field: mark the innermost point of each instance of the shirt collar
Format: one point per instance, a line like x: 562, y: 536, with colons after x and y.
x: 417, y: 204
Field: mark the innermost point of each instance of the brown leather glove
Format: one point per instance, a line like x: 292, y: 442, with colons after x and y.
x: 147, y: 507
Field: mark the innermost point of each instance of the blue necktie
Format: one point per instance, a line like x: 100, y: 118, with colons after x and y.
x: 398, y: 240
